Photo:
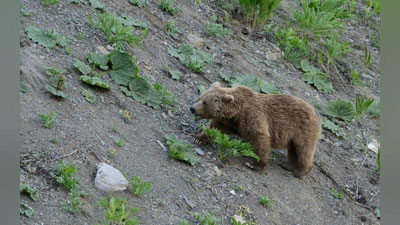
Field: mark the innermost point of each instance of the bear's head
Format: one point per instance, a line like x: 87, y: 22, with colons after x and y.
x: 214, y: 103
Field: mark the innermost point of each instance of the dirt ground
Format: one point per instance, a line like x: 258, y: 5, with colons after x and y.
x: 178, y: 189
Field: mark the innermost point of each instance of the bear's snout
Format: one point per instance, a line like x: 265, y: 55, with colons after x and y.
x: 192, y: 109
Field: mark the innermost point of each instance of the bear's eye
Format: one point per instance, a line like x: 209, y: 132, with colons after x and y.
x: 204, y: 102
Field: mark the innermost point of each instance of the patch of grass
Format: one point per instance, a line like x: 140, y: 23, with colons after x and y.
x: 54, y: 140
x: 90, y: 22
x: 82, y: 35
x: 335, y: 49
x: 119, y: 142
x: 215, y: 29
x: 116, y: 211
x: 48, y: 120
x: 378, y: 160
x: 138, y: 186
x: 138, y: 3
x: 49, y: 2
x: 294, y: 46
x: 265, y: 201
x: 183, y: 222
x: 116, y: 33
x: 374, y: 40
x: 206, y: 218
x: 180, y: 150
x: 374, y: 4
x: 226, y: 146
x: 56, y: 83
x: 192, y: 58
x: 315, y: 77
x: 63, y: 174
x: 361, y: 106
x: 355, y: 80
x: 172, y: 29
x: 257, y: 12
x: 337, y: 193
x: 339, y: 109
x: 166, y: 5
x: 32, y: 193
x: 25, y: 209
x: 367, y: 57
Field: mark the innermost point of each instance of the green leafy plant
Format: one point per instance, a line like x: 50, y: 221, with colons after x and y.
x: 265, y: 201
x: 82, y: 67
x: 23, y: 12
x: 56, y: 82
x: 95, y: 81
x: 116, y: 33
x: 82, y: 35
x: 138, y: 3
x: 64, y: 175
x: 335, y: 49
x: 355, y: 80
x: 183, y: 222
x: 32, y: 193
x: 315, y: 77
x: 206, y: 218
x: 294, y: 46
x: 367, y: 57
x: 236, y: 221
x: 25, y: 209
x: 180, y: 150
x: 89, y: 96
x: 49, y: 2
x: 215, y: 29
x: 98, y: 59
x: 375, y: 4
x: 226, y: 146
x: 116, y: 212
x: 361, y: 106
x: 124, y: 68
x: 331, y: 126
x: 46, y: 38
x: 337, y: 193
x: 138, y: 186
x: 340, y: 109
x: 172, y: 30
x: 374, y: 110
x: 48, y: 120
x: 95, y: 4
x: 192, y: 58
x: 201, y: 89
x: 166, y: 5
x: 255, y: 83
x: 129, y: 21
x: 119, y: 142
x: 378, y: 160
x: 74, y: 203
x: 175, y: 74
x: 374, y: 40
x: 54, y: 140
x: 257, y: 12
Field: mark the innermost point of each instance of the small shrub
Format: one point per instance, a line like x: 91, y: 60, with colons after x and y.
x: 337, y: 193
x: 294, y: 46
x: 215, y: 29
x: 265, y: 201
x: 56, y: 84
x: 64, y: 175
x: 226, y: 146
x: 183, y: 222
x: 206, y: 219
x: 116, y: 212
x: 355, y: 80
x: 331, y: 126
x: 166, y: 5
x: 361, y: 106
x: 48, y: 120
x: 172, y: 30
x: 335, y: 49
x: 49, y: 2
x: 315, y: 77
x: 257, y: 12
x: 192, y: 58
x: 119, y: 142
x: 32, y: 193
x: 74, y: 203
x: 138, y: 186
x: 180, y: 150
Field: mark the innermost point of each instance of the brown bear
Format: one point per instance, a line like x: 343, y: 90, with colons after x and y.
x: 266, y: 121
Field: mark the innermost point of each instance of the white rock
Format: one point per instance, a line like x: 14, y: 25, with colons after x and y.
x: 217, y: 171
x: 373, y: 146
x: 110, y: 179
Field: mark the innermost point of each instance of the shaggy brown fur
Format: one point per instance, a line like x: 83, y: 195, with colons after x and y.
x: 277, y: 121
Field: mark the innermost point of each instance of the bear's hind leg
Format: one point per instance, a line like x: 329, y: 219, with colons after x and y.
x: 291, y: 164
x: 305, y: 155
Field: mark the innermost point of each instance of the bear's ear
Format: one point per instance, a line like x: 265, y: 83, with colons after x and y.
x: 228, y: 98
x: 216, y: 85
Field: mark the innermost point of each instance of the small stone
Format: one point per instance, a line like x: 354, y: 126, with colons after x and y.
x: 109, y: 47
x: 199, y: 151
x: 164, y: 43
x: 274, y: 56
x: 31, y: 169
x: 170, y: 114
x: 373, y: 146
x: 217, y: 171
x: 195, y: 40
x: 363, y: 219
x: 233, y: 192
x: 102, y: 143
x: 239, y: 219
x: 110, y: 179
x: 103, y: 50
x: 367, y: 76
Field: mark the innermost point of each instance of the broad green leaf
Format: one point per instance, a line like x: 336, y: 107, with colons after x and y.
x: 33, y: 194
x: 331, y: 126
x: 192, y: 58
x: 339, y: 109
x: 89, y: 96
x: 314, y: 76
x: 140, y: 89
x: 175, y: 74
x: 25, y: 209
x: 125, y: 91
x: 129, y: 21
x: 44, y: 38
x: 180, y: 150
x: 252, y: 82
x: 98, y: 59
x: 95, y: 81
x: 23, y: 88
x: 50, y: 71
x: 123, y: 68
x: 82, y: 67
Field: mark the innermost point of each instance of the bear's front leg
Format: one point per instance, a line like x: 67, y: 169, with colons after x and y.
x: 202, y: 139
x: 261, y: 146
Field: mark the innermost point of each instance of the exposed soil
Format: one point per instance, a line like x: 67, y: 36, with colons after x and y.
x: 178, y: 189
